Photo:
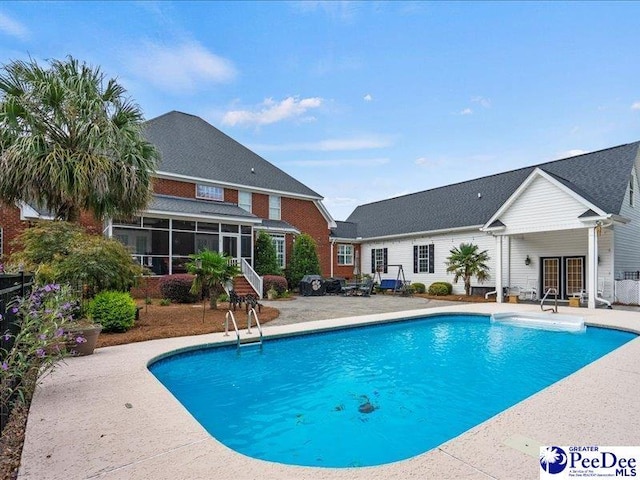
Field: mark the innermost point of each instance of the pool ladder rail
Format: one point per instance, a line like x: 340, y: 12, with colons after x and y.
x: 554, y: 308
x: 250, y: 338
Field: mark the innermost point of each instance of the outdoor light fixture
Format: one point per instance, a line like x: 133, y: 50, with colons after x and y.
x: 527, y: 261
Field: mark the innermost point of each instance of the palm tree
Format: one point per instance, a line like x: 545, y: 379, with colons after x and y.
x: 466, y: 262
x: 71, y: 141
x: 212, y: 271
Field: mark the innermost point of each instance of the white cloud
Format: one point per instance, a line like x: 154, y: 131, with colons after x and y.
x: 187, y: 66
x: 572, y: 153
x: 466, y: 111
x: 12, y: 27
x: 482, y: 101
x: 340, y: 201
x: 421, y: 161
x: 351, y: 162
x: 368, y: 97
x: 271, y: 111
x: 330, y: 145
x: 635, y: 106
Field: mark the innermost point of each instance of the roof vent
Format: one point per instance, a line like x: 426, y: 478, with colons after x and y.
x: 253, y: 170
x: 479, y: 195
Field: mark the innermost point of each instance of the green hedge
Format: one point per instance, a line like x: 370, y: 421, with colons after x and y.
x: 115, y: 311
x: 440, y: 288
x: 419, y: 287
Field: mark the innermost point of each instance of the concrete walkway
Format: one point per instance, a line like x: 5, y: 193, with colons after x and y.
x: 305, y: 309
x: 106, y: 416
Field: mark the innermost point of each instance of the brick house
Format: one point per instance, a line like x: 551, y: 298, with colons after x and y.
x: 209, y: 191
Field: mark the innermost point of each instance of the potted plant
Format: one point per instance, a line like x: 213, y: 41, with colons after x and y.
x: 82, y: 337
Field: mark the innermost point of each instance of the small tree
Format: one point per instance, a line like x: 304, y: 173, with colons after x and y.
x: 212, y: 270
x: 466, y: 262
x: 266, y: 257
x: 304, y: 260
x: 63, y: 252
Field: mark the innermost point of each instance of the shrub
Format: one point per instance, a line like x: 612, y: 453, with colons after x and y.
x: 266, y: 257
x: 419, y: 287
x: 304, y: 260
x: 440, y: 288
x: 177, y: 288
x: 279, y: 284
x: 100, y: 264
x: 115, y: 311
x: 165, y: 302
x: 63, y: 252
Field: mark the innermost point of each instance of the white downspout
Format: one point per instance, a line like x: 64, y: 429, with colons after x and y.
x: 498, y: 273
x: 333, y: 243
x: 592, y: 267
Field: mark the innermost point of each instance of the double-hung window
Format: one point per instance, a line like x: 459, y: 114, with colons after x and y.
x: 244, y: 201
x: 345, y: 254
x: 423, y: 258
x: 278, y: 243
x: 379, y: 258
x: 274, y: 207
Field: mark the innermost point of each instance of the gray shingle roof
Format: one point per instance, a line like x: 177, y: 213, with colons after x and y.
x: 190, y: 146
x: 345, y: 230
x: 268, y: 224
x: 600, y: 177
x: 188, y: 206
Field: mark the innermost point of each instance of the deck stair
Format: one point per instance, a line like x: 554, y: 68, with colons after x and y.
x: 242, y: 287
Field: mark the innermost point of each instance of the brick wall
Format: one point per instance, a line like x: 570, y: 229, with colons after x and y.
x: 345, y: 271
x: 11, y: 226
x: 174, y: 188
x: 305, y: 216
x: 230, y: 195
x: 147, y: 286
x: 260, y: 205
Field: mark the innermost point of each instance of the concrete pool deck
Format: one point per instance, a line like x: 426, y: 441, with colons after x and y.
x: 106, y: 416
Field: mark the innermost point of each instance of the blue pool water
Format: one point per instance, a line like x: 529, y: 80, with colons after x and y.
x: 372, y: 395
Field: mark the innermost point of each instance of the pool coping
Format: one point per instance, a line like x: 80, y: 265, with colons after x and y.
x: 107, y: 416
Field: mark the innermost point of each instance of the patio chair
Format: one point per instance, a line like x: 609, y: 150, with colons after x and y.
x: 530, y: 292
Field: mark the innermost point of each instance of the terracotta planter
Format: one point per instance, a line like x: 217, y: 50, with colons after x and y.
x: 89, y: 333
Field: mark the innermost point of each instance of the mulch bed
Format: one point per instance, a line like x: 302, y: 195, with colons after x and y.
x: 458, y: 298
x: 179, y: 320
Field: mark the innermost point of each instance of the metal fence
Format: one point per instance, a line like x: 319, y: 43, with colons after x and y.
x: 12, y: 286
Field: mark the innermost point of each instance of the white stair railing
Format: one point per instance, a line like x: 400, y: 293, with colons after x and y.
x: 252, y: 277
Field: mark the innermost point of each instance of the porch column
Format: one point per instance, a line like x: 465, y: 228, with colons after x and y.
x: 592, y: 267
x: 498, y: 272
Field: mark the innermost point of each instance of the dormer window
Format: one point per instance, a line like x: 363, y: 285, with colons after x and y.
x: 208, y: 192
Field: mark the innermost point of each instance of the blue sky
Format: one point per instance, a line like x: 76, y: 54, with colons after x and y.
x: 362, y: 101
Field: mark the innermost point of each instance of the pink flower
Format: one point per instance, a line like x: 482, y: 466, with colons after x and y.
x: 81, y: 340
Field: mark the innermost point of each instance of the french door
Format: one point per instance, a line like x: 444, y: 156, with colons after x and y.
x: 551, y: 274
x: 565, y: 274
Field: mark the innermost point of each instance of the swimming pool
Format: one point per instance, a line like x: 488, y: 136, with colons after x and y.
x: 372, y: 395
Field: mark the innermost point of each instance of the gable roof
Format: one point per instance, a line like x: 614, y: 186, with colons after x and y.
x: 191, y: 147
x: 600, y: 177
